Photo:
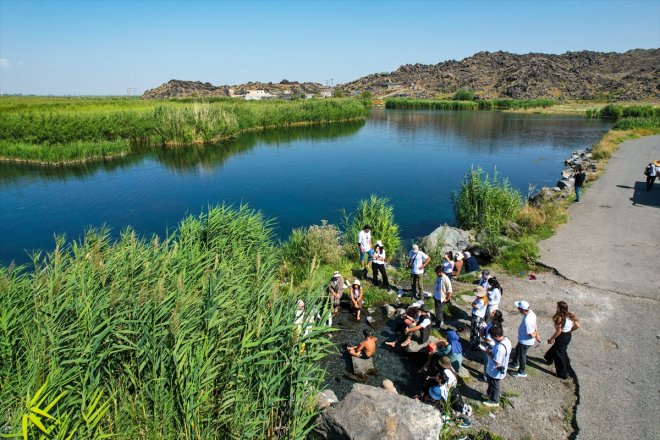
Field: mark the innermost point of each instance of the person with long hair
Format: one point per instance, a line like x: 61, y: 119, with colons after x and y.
x: 478, y: 313
x: 565, y: 324
x: 378, y: 264
x: 494, y: 293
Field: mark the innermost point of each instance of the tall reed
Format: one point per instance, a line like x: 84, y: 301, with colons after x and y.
x: 377, y: 213
x: 188, y: 337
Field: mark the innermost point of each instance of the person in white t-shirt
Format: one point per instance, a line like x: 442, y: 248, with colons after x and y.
x: 494, y: 293
x: 364, y: 246
x: 498, y: 358
x: 528, y: 334
x: 378, y: 265
x: 420, y: 329
x: 417, y: 261
x: 479, y: 306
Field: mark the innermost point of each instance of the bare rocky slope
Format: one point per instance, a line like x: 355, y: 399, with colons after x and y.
x: 183, y: 89
x: 585, y: 75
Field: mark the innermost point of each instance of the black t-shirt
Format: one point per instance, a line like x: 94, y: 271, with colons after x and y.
x: 580, y: 178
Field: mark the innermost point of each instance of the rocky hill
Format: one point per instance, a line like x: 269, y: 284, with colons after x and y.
x: 633, y: 75
x: 181, y: 89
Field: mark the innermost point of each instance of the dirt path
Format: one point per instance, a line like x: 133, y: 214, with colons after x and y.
x: 609, y: 250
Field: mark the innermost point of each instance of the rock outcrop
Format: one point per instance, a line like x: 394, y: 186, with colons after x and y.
x: 187, y: 89
x: 451, y: 239
x: 584, y: 75
x: 368, y: 413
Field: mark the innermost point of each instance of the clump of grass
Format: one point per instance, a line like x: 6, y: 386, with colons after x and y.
x: 377, y: 213
x: 629, y: 123
x: 185, y: 337
x: 486, y: 204
x: 464, y: 95
x: 463, y: 104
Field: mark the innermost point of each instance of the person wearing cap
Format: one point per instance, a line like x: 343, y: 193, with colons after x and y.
x: 528, y: 334
x: 417, y: 261
x: 498, y: 358
x: 458, y: 264
x: 485, y: 277
x: 357, y: 298
x: 420, y: 329
x: 366, y: 348
x: 364, y: 246
x: 378, y: 264
x: 441, y: 295
x: 336, y: 290
x: 470, y: 262
x: 479, y: 306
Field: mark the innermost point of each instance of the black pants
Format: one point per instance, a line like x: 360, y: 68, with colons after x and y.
x: 380, y: 268
x: 439, y: 312
x: 649, y: 182
x: 520, y: 356
x: 418, y: 284
x: 559, y: 355
x: 494, y: 388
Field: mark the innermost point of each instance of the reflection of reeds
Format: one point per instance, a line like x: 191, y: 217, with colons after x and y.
x: 79, y: 129
x: 183, y: 338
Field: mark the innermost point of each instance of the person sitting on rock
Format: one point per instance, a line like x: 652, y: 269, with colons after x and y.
x: 470, y: 263
x: 366, y: 348
x: 357, y: 298
x: 450, y: 348
x: 442, y: 389
x: 420, y: 329
x: 458, y: 264
x: 336, y: 290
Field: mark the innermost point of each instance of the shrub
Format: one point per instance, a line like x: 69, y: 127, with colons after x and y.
x: 611, y: 111
x: 521, y: 256
x: 464, y: 95
x: 379, y: 214
x: 317, y: 243
x: 638, y: 111
x: 652, y: 123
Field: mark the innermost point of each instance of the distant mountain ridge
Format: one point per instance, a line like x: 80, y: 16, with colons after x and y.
x: 584, y: 75
x: 633, y: 75
x: 182, y: 89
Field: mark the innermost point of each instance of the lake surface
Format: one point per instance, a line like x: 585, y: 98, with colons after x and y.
x: 297, y: 176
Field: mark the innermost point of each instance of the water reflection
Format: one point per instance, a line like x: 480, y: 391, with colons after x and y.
x: 183, y: 160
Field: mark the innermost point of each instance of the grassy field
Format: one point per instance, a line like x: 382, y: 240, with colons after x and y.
x: 55, y: 130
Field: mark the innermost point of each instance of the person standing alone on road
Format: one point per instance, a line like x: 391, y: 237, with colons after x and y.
x: 650, y: 172
x: 417, y: 261
x: 528, y: 334
x: 580, y: 177
x: 364, y: 245
x: 565, y: 324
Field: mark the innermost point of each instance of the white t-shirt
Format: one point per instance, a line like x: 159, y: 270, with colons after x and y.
x: 364, y: 238
x: 447, y: 266
x: 568, y: 325
x: 423, y: 321
x: 379, y: 257
x: 483, y: 282
x: 452, y: 380
x: 526, y: 328
x: 442, y: 287
x: 499, y: 355
x: 494, y: 297
x: 479, y: 308
x: 416, y: 260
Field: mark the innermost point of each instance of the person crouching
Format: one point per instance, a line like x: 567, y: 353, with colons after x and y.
x: 420, y: 329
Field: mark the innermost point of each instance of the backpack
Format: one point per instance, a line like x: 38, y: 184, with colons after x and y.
x: 648, y: 170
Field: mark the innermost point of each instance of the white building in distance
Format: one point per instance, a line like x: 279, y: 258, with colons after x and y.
x: 256, y: 95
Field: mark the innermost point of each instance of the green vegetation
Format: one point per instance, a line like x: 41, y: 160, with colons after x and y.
x: 377, y: 213
x: 616, y: 111
x: 61, y: 129
x: 191, y: 337
x: 630, y: 123
x: 464, y: 95
x: 458, y: 104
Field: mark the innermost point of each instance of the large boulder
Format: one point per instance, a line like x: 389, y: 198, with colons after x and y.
x: 450, y: 238
x: 373, y: 413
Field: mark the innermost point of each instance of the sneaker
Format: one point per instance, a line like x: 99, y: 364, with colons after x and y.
x: 512, y: 367
x: 519, y: 374
x: 462, y: 422
x: 490, y: 403
x: 482, y: 378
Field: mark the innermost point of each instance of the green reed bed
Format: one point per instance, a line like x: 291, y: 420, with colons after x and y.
x: 485, y: 104
x: 72, y: 127
x: 191, y: 337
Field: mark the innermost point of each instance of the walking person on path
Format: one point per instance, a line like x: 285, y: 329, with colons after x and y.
x: 528, y: 334
x: 651, y: 171
x: 565, y: 324
x: 417, y: 261
x: 441, y: 295
x: 580, y: 177
x: 479, y: 306
x: 364, y: 246
x: 498, y: 358
x: 378, y: 264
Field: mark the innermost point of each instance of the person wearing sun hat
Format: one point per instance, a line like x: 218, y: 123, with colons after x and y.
x: 357, y: 298
x: 336, y: 290
x: 479, y: 306
x: 528, y: 334
x: 378, y: 264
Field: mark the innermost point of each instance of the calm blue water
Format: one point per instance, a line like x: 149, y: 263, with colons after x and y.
x: 296, y: 176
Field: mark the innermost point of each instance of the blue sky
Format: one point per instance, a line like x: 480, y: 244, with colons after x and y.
x: 101, y: 47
